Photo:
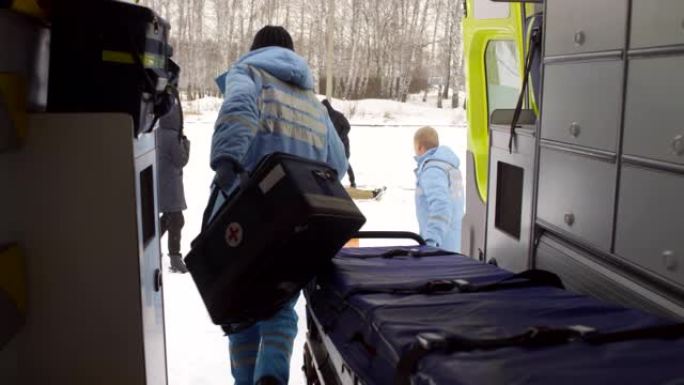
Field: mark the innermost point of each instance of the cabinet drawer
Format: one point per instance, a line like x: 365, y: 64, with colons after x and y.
x: 657, y: 23
x: 576, y: 194
x: 583, y: 103
x: 579, y: 26
x: 650, y: 228
x: 654, y: 111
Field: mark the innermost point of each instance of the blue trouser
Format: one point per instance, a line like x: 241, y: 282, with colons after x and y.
x: 265, y: 348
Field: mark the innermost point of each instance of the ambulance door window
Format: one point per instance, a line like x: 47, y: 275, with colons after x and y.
x: 488, y: 9
x: 502, y: 74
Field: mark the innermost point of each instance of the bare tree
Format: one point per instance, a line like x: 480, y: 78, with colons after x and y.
x: 380, y: 47
x: 449, y: 34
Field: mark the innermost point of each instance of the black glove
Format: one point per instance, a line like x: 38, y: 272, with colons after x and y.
x: 228, y: 171
x: 225, y: 174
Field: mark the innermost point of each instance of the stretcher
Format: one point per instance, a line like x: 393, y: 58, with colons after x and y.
x: 419, y: 315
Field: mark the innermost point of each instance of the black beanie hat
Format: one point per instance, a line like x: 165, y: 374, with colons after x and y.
x: 272, y: 36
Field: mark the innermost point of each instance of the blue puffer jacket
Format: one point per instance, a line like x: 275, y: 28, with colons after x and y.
x: 269, y: 106
x: 439, y: 198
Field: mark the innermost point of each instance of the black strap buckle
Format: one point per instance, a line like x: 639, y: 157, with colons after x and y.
x: 444, y: 285
x: 438, y: 285
x: 542, y: 336
x: 463, y: 285
x: 431, y: 341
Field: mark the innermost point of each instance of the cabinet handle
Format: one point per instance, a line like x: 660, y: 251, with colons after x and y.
x: 670, y: 260
x: 678, y: 145
x: 569, y: 219
x: 579, y: 38
x: 574, y: 129
x: 157, y: 280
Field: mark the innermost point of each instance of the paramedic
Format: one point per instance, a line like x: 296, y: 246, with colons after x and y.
x: 173, y: 151
x: 342, y: 127
x: 439, y: 191
x: 269, y: 106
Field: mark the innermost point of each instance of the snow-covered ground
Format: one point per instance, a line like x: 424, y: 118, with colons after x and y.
x: 381, y: 155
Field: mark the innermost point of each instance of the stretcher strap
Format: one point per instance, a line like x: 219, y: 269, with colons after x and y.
x: 528, y: 278
x: 536, y: 337
x: 400, y: 252
x: 390, y: 235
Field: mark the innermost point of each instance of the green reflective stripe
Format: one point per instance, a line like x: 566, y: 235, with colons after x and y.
x: 279, y: 335
x: 284, y: 111
x: 298, y: 92
x: 439, y: 164
x: 148, y: 60
x: 237, y: 119
x: 244, y: 348
x: 438, y: 218
x: 299, y: 133
x: 247, y: 361
x: 272, y: 88
x: 272, y: 93
x: 277, y: 345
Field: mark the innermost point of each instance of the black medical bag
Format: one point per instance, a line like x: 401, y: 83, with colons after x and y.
x: 270, y: 238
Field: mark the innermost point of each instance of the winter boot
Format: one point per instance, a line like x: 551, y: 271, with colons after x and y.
x: 177, y: 265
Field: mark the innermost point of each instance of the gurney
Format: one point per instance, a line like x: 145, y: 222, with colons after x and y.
x: 419, y: 315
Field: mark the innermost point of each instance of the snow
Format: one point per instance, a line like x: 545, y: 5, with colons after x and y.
x: 390, y: 112
x: 381, y: 155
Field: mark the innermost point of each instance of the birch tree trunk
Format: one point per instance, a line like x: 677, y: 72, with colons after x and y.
x: 449, y: 48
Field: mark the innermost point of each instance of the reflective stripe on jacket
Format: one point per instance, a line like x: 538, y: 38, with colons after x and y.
x: 269, y: 106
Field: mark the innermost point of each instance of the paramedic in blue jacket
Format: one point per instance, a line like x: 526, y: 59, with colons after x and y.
x: 439, y: 191
x: 269, y: 106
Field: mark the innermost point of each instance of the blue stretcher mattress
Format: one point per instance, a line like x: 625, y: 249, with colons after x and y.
x: 372, y: 330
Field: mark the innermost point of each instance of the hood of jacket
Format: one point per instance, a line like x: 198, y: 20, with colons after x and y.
x: 441, y: 153
x: 280, y: 62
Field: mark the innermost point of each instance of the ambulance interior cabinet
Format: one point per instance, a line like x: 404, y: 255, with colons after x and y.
x: 90, y: 233
x: 611, y: 151
x: 509, y: 204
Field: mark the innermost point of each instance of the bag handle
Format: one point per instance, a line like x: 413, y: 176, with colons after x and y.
x: 525, y: 279
x: 216, y: 190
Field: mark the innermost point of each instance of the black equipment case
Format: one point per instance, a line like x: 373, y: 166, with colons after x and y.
x: 109, y: 56
x: 270, y: 238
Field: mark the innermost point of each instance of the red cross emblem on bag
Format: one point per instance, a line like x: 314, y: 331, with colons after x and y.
x: 234, y: 234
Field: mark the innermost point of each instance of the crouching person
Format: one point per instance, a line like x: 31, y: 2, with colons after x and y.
x: 439, y: 191
x: 269, y: 106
